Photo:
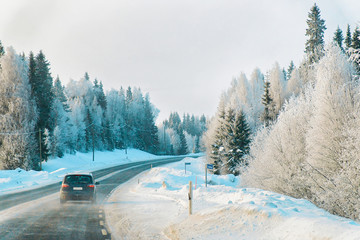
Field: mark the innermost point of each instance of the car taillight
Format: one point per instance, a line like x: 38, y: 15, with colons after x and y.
x: 91, y: 185
x: 64, y: 185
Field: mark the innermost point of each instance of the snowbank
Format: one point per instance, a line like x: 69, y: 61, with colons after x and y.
x: 55, y: 169
x: 154, y: 205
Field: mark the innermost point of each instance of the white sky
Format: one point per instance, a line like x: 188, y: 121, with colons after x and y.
x: 183, y: 52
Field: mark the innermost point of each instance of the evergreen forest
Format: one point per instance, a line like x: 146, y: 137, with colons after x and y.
x: 42, y: 119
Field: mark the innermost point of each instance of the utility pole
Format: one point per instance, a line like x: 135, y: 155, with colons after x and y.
x: 164, y: 141
x: 206, y: 176
x: 93, y: 144
x: 40, y: 149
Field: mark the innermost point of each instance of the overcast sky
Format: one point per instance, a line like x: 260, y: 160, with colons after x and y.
x: 184, y: 53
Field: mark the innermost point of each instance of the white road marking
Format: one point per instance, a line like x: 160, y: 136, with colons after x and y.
x: 104, y: 232
x: 101, y: 223
x: 100, y: 216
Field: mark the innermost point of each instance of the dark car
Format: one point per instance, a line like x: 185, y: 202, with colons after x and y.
x: 78, y: 186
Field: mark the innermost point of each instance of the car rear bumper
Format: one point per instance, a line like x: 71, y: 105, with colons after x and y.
x: 77, y: 195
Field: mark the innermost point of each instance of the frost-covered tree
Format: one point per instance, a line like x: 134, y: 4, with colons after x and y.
x: 83, y: 97
x: 77, y: 116
x: 311, y: 150
x: 255, y: 108
x: 332, y: 100
x: 175, y: 142
x: 115, y: 115
x: 314, y: 45
x: 295, y: 83
x: 174, y: 120
x: 213, y: 136
x: 192, y: 127
x: 60, y: 138
x: 18, y: 115
x: 48, y: 142
x: 277, y: 158
x: 277, y: 87
x: 165, y: 143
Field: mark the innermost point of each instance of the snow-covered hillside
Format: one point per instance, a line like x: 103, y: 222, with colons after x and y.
x: 55, y: 169
x: 154, y: 205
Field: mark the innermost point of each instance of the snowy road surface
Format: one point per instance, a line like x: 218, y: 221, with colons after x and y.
x: 145, y: 208
x: 45, y: 218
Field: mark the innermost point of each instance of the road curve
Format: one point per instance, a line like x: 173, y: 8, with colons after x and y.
x: 45, y: 218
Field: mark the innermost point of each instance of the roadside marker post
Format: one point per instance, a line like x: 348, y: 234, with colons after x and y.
x: 208, y: 166
x: 190, y: 195
x: 185, y: 166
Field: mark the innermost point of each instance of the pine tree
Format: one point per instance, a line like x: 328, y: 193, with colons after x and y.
x: 86, y: 76
x: 267, y: 101
x: 348, y: 38
x: 354, y: 50
x: 60, y: 94
x: 100, y: 95
x: 128, y: 126
x: 2, y: 52
x: 197, y: 144
x: 289, y: 70
x: 32, y: 74
x: 355, y: 41
x: 183, y: 145
x: 101, y: 101
x: 42, y: 91
x: 150, y: 135
x: 285, y: 74
x: 89, y: 131
x: 227, y: 141
x: 339, y: 38
x: 314, y: 46
x: 237, y: 141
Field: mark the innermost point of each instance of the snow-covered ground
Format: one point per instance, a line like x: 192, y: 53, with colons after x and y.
x: 154, y: 205
x: 55, y: 169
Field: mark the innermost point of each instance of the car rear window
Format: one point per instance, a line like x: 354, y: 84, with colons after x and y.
x: 86, y: 179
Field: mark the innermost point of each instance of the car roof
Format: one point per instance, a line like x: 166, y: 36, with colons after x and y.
x: 79, y: 173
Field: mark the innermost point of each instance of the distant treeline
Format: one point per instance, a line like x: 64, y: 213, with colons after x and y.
x: 40, y: 118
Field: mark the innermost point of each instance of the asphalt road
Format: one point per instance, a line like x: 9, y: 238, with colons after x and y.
x: 45, y: 218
